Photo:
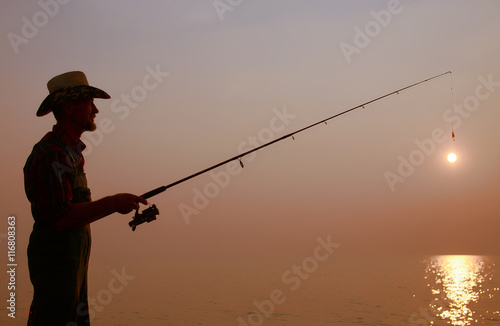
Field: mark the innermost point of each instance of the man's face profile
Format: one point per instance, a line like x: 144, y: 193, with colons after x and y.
x: 83, y: 113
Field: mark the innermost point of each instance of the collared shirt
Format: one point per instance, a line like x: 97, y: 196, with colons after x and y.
x: 49, y: 175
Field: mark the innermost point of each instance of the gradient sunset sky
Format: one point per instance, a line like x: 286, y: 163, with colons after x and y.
x: 196, y: 82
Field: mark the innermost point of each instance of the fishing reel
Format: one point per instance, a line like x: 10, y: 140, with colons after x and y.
x: 147, y: 215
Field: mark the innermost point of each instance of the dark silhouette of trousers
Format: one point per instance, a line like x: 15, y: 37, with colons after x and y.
x: 58, y: 265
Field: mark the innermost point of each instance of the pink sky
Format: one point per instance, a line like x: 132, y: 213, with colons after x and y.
x: 189, y: 89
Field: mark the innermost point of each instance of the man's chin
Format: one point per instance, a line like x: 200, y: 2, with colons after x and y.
x: 91, y: 127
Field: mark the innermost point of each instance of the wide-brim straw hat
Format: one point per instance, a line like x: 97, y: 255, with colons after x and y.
x: 71, y: 86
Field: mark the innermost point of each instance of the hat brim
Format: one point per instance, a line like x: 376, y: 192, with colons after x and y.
x: 70, y: 94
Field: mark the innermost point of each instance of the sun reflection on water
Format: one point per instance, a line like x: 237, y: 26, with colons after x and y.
x: 458, y: 286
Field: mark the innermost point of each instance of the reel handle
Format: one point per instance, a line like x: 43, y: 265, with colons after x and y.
x: 147, y: 215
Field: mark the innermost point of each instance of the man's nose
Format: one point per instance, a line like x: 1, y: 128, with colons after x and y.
x: 94, y: 109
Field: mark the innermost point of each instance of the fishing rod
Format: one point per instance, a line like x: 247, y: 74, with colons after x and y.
x: 150, y: 213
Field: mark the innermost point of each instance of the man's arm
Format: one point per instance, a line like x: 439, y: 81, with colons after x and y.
x: 85, y: 213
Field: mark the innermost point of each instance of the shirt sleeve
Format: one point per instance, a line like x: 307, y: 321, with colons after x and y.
x: 47, y: 177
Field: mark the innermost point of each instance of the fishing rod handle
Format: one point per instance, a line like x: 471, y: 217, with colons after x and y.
x: 154, y: 192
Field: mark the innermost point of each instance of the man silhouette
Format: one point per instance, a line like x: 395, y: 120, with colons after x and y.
x: 61, y: 205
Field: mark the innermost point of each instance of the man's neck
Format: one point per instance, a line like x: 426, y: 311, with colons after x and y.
x: 71, y: 135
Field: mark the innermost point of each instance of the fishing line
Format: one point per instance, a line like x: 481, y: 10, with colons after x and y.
x: 452, y: 103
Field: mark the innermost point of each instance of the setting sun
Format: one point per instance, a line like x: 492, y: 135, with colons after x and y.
x: 452, y: 157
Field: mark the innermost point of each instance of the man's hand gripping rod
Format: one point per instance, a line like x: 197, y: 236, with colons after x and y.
x: 149, y: 214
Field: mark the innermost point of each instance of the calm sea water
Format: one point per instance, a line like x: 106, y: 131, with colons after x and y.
x: 434, y: 290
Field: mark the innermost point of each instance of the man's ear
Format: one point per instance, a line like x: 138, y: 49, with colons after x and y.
x: 67, y: 108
